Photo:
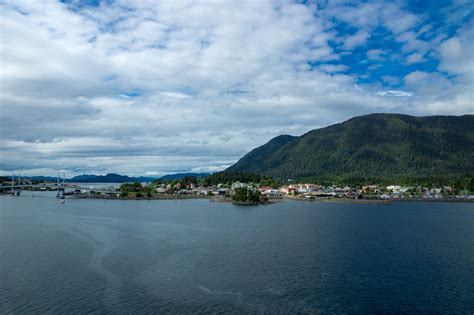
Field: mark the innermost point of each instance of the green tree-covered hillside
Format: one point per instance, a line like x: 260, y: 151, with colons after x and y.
x: 370, y: 145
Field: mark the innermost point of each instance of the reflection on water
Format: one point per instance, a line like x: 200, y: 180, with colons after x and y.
x: 196, y: 256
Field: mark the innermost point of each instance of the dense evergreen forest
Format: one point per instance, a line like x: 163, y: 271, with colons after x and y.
x: 376, y: 146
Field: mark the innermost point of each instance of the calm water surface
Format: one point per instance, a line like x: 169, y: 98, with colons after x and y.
x: 198, y: 256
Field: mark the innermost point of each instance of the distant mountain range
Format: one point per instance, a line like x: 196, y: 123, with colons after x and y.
x: 371, y: 145
x: 116, y: 178
x: 109, y: 178
x: 182, y: 175
x: 44, y: 178
x: 113, y: 178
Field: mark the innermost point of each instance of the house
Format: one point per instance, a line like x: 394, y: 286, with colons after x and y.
x: 160, y: 190
x: 223, y: 191
x: 314, y: 187
x: 394, y: 188
x: 237, y: 185
x: 347, y: 189
x: 271, y: 192
x: 370, y: 189
x: 264, y: 188
x: 302, y: 188
x: 284, y: 190
x: 448, y: 189
x: 323, y: 194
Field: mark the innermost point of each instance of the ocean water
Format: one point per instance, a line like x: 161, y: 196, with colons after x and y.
x: 196, y: 256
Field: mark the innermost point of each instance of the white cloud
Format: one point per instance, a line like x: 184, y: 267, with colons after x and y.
x: 358, y: 39
x: 330, y: 68
x: 397, y: 20
x: 391, y: 79
x: 153, y: 87
x: 175, y: 95
x: 416, y: 77
x: 394, y: 93
x: 415, y: 58
x: 375, y: 54
x: 457, y: 54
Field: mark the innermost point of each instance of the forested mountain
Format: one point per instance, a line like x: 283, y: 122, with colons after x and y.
x: 371, y: 145
x: 109, y: 178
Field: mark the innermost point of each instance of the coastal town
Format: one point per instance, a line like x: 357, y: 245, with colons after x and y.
x: 240, y: 192
x: 315, y: 191
x: 305, y: 191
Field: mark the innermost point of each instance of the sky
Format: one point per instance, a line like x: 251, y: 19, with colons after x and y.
x: 157, y: 87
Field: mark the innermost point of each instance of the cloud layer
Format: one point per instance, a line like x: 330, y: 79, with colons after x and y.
x: 150, y: 88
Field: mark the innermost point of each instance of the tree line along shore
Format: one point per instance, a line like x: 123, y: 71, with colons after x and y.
x: 248, y: 188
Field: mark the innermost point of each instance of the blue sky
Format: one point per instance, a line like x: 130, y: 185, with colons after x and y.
x: 153, y: 87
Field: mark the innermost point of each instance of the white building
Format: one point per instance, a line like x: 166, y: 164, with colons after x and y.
x: 237, y: 185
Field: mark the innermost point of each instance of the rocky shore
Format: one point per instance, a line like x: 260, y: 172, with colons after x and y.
x: 271, y: 200
x: 380, y: 201
x: 153, y: 197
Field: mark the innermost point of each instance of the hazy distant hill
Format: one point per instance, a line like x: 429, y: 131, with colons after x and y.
x: 41, y: 178
x: 182, y: 175
x: 116, y: 178
x: 109, y: 178
x: 370, y: 145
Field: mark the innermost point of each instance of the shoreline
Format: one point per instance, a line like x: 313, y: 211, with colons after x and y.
x: 154, y: 197
x: 382, y: 201
x: 172, y: 197
x: 271, y: 200
x: 276, y: 199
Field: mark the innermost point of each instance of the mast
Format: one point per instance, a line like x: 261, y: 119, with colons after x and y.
x: 57, y: 186
x: 13, y: 183
x: 19, y: 185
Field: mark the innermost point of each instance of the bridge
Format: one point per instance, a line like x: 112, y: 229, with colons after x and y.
x: 15, y: 187
x: 51, y: 187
